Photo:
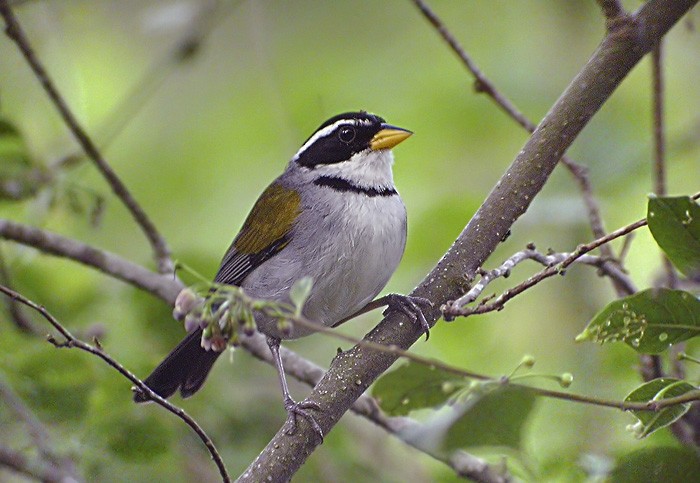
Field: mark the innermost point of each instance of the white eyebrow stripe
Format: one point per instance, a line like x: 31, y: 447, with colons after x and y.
x: 328, y: 130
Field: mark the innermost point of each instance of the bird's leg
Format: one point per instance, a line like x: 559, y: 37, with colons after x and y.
x: 293, y: 408
x: 406, y: 304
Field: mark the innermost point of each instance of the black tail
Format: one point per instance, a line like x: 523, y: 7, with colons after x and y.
x: 185, y: 368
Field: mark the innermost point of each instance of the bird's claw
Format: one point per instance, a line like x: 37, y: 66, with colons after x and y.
x: 295, y: 409
x: 410, y: 306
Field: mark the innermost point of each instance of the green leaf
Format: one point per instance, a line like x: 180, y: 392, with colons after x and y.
x: 492, y: 417
x: 415, y: 386
x: 495, y: 419
x: 651, y: 465
x: 675, y: 224
x: 648, y: 321
x: 657, y: 390
x: 300, y: 292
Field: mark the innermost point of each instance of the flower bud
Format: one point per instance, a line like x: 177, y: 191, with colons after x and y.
x: 206, y: 343
x: 218, y: 343
x: 192, y: 322
x: 185, y: 302
x: 528, y: 361
x: 566, y: 379
x: 224, y: 320
x: 285, y: 327
x: 247, y: 322
x: 234, y: 340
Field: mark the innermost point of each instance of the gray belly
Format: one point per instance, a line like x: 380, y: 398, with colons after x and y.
x: 350, y: 259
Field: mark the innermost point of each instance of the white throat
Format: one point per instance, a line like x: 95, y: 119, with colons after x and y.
x: 368, y: 169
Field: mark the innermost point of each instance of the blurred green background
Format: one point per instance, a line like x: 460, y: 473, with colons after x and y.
x: 205, y: 135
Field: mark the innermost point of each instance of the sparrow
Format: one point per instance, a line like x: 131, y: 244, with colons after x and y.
x: 333, y: 215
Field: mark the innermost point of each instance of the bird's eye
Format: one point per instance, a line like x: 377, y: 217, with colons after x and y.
x: 346, y: 134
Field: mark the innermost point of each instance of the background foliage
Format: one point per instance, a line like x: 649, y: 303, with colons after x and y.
x: 206, y: 133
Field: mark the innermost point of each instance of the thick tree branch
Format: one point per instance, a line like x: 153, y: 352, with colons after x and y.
x: 353, y: 371
x: 160, y: 247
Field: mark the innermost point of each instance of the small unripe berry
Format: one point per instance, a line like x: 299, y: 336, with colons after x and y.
x: 566, y: 379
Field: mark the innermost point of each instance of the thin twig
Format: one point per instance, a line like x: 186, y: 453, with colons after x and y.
x: 652, y: 405
x: 549, y: 260
x: 159, y: 245
x: 651, y: 365
x: 658, y: 118
x: 456, y: 308
x: 481, y: 82
x: 612, y: 9
x: 70, y: 342
x: 659, y: 170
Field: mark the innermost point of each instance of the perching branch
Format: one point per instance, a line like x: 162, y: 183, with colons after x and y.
x: 357, y: 368
x: 160, y: 248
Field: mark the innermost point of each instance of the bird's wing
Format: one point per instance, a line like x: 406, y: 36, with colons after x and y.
x: 266, y: 231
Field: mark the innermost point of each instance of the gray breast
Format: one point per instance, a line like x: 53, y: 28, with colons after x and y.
x: 349, y: 243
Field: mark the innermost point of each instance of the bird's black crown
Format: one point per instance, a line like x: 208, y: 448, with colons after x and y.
x: 337, y: 139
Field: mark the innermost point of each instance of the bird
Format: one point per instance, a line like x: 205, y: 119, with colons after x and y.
x: 334, y: 215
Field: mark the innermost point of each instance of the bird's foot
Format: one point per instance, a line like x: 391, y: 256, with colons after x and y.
x: 296, y: 409
x: 411, y: 307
